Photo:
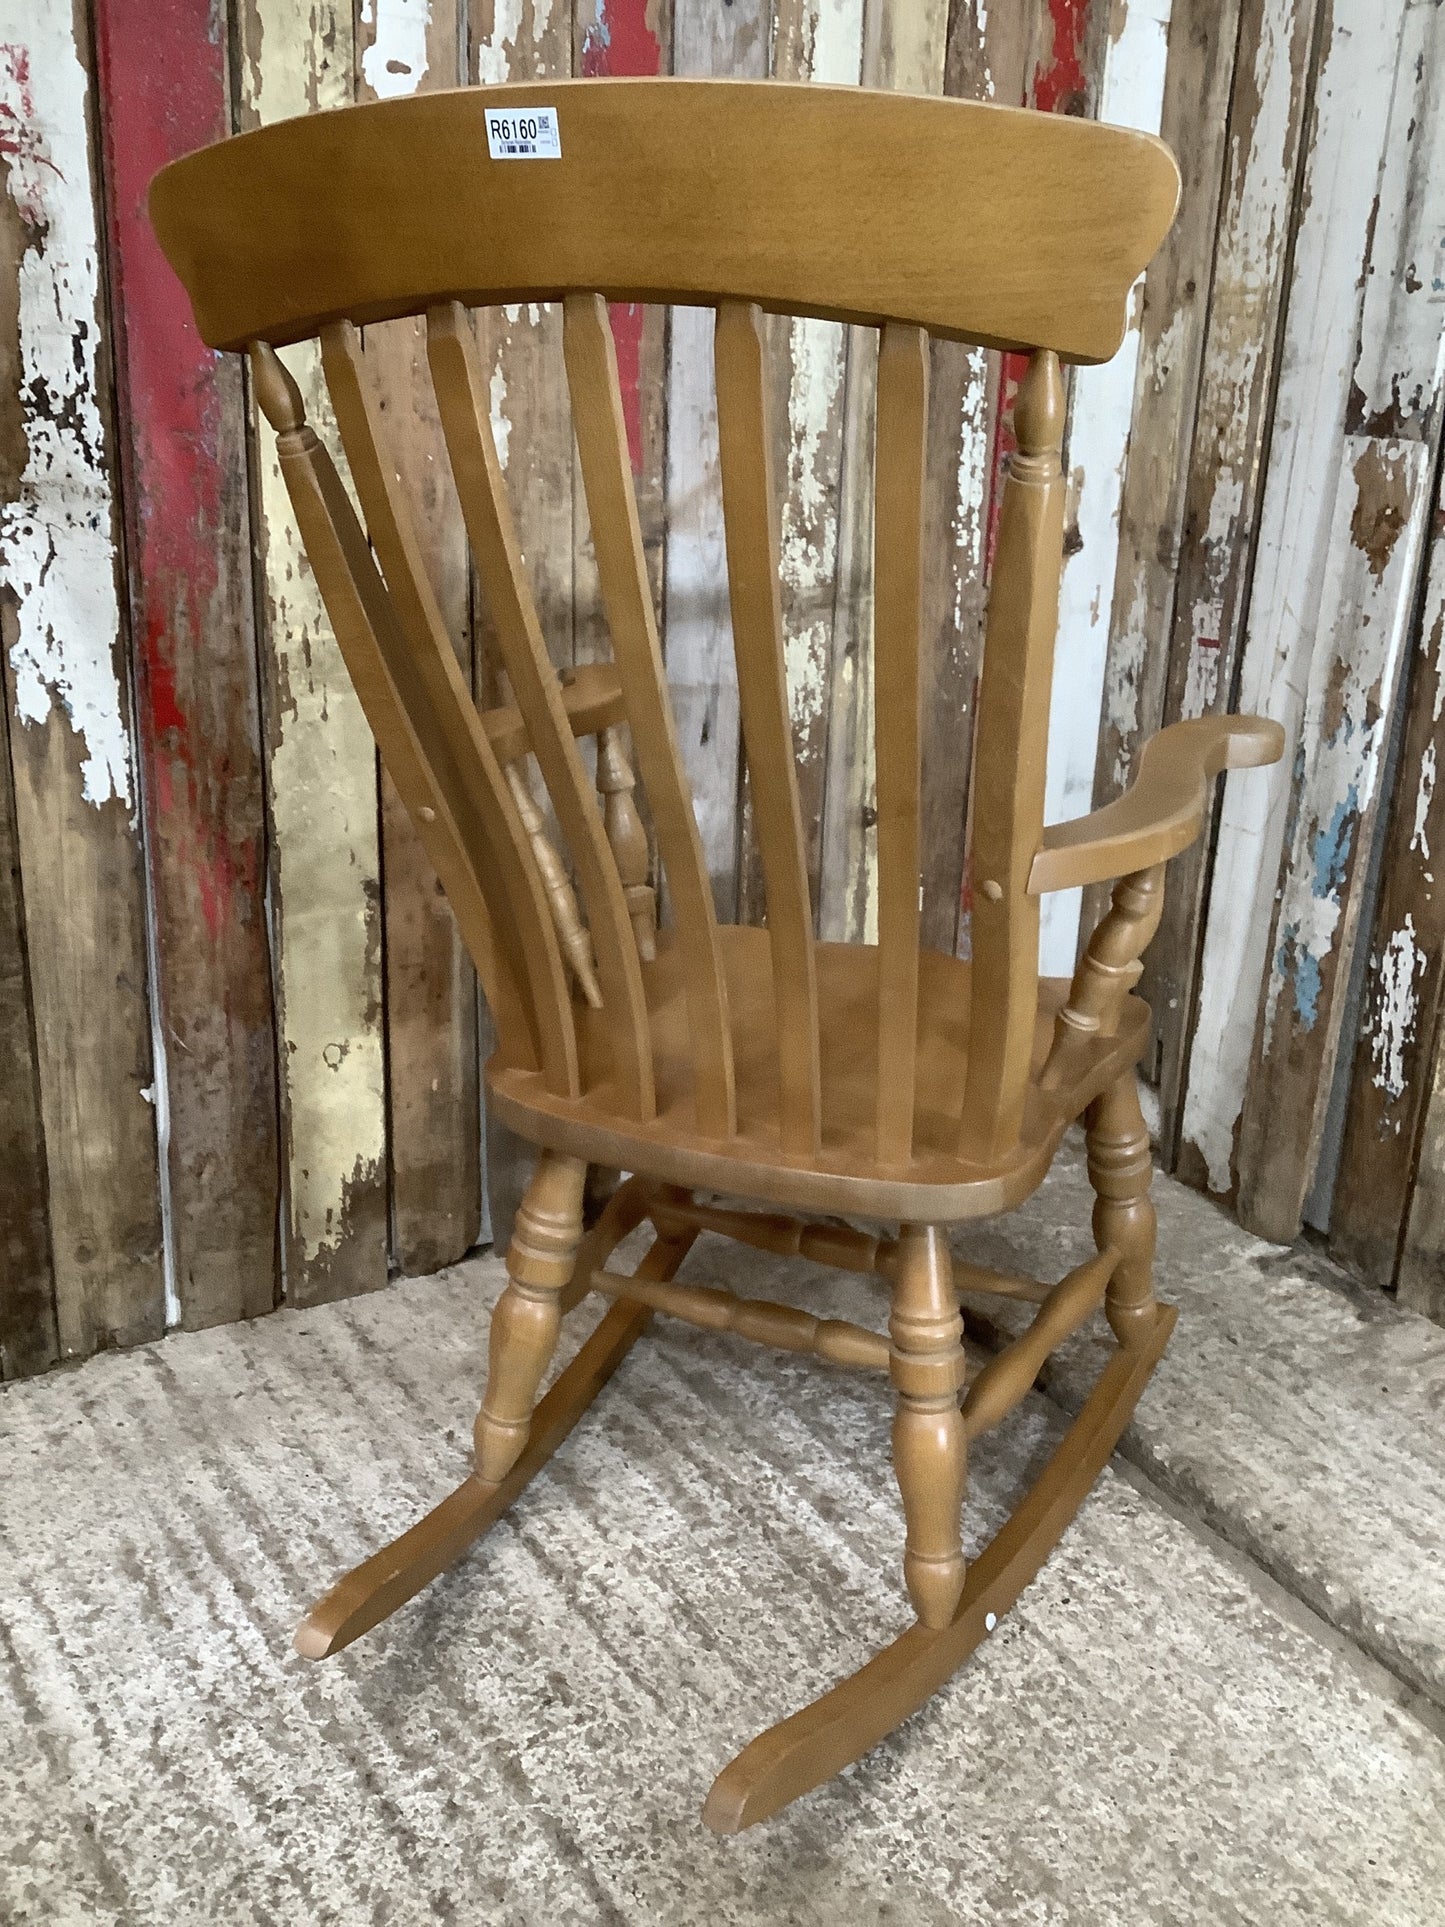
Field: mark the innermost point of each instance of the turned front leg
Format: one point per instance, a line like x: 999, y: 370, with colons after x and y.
x: 1121, y: 1171
x: 930, y: 1451
x: 540, y: 1259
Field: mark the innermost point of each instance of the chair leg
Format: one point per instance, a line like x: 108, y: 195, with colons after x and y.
x: 1121, y: 1171
x: 528, y: 1317
x: 930, y: 1452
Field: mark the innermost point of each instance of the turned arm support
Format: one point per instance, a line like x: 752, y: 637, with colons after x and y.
x: 1162, y: 811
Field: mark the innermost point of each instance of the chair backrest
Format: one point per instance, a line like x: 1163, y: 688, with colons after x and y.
x: 911, y: 215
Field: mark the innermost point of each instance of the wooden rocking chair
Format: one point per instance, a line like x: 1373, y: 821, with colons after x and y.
x: 881, y: 1081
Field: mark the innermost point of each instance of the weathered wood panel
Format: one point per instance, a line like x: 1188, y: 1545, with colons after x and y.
x: 1340, y: 532
x: 66, y: 689
x: 325, y: 860
x: 1131, y: 95
x: 28, y: 1338
x: 706, y: 39
x: 905, y: 46
x: 522, y: 349
x: 1383, y: 498
x: 984, y: 60
x: 434, y: 1119
x: 806, y: 367
x: 1390, y: 1085
x: 1194, y: 123
x: 1267, y: 111
x: 164, y: 90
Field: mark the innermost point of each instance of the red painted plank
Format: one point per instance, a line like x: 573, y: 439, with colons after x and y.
x: 620, y: 40
x: 164, y: 91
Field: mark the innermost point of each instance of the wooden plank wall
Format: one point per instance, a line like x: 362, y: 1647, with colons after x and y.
x: 242, y: 1038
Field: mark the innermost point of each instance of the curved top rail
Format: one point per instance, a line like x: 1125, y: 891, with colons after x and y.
x: 981, y: 223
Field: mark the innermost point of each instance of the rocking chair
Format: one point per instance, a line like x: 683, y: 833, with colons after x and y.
x: 881, y: 1082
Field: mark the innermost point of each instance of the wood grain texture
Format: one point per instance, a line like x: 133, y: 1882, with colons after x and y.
x: 1271, y: 94
x: 181, y: 433
x: 903, y: 50
x: 1374, y: 544
x: 432, y: 1096
x: 322, y: 789
x: 701, y: 670
x: 28, y: 1338
x: 71, y: 739
x: 1131, y: 93
x: 1194, y: 121
x: 1390, y: 1083
x: 1340, y: 535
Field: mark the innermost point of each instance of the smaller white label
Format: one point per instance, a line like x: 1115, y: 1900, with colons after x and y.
x: 523, y: 134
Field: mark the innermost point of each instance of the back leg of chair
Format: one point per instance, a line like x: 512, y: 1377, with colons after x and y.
x: 1121, y: 1171
x: 540, y: 1261
x: 930, y: 1452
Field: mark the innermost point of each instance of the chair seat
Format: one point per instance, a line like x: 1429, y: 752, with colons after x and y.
x: 936, y: 1185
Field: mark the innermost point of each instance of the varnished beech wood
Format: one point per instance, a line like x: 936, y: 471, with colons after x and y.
x: 1010, y: 749
x: 374, y: 1589
x: 878, y: 1081
x: 930, y: 1444
x: 838, y: 1340
x: 591, y: 358
x: 528, y: 1317
x: 1019, y: 228
x: 803, y: 1751
x: 897, y: 720
x: 462, y: 399
x: 1162, y: 811
x: 750, y: 511
x: 472, y: 867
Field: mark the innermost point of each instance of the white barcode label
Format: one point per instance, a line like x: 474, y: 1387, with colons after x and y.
x: 523, y: 134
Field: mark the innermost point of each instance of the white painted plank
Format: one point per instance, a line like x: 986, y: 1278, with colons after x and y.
x: 1103, y: 402
x: 1298, y: 582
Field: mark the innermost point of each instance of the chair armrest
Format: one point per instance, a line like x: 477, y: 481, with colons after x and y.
x: 1162, y: 811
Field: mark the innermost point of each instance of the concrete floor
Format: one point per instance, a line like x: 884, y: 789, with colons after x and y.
x: 1221, y: 1701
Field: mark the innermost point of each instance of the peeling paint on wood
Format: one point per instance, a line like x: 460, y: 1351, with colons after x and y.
x: 1232, y: 418
x: 701, y: 669
x: 323, y: 798
x: 433, y: 1113
x: 905, y: 48
x: 181, y: 430
x: 1390, y: 1081
x: 1132, y: 95
x: 1341, y: 533
x: 1194, y: 123
x: 69, y: 724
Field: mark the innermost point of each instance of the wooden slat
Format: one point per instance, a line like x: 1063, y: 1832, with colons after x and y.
x: 1339, y: 541
x: 599, y: 419
x: 181, y: 428
x: 1390, y: 1084
x: 1194, y: 122
x: 434, y: 1118
x: 615, y: 38
x: 520, y: 348
x: 903, y: 50
x: 1271, y: 92
x: 452, y: 737
x: 750, y: 507
x: 1009, y: 767
x: 1101, y: 410
x: 66, y: 690
x: 325, y: 880
x: 466, y: 421
x: 28, y: 1338
x: 898, y: 515
x: 707, y: 39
